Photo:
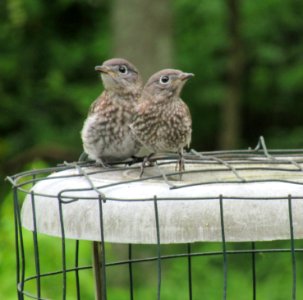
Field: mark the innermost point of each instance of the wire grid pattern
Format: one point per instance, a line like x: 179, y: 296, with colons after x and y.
x: 288, y: 161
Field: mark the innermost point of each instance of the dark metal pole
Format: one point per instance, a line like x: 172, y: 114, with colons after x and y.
x: 97, y: 265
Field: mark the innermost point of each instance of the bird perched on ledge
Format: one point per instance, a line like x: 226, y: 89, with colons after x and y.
x: 162, y: 122
x: 106, y: 135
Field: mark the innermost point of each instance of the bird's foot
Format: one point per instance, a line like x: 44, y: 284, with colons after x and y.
x: 146, y: 162
x: 134, y: 160
x: 180, y: 166
x: 83, y: 157
x: 102, y: 164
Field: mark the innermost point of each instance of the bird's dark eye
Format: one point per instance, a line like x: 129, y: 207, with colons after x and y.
x: 122, y: 69
x: 164, y: 79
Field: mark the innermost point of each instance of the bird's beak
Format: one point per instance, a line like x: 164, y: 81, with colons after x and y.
x: 103, y: 69
x: 185, y: 76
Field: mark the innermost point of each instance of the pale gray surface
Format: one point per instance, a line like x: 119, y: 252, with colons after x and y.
x: 182, y: 221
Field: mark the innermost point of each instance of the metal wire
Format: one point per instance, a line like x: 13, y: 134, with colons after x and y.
x: 190, y: 288
x: 253, y: 268
x: 103, y: 260
x: 16, y: 223
x: 235, y: 164
x: 63, y: 247
x: 130, y: 267
x: 76, y: 269
x: 292, y: 243
x: 36, y: 248
x: 223, y: 249
x: 158, y: 249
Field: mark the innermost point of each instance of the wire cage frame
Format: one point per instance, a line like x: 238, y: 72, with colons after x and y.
x: 234, y: 165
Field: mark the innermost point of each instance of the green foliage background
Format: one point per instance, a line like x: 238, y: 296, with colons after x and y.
x: 48, y: 50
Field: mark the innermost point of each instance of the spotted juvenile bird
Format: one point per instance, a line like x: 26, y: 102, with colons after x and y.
x: 162, y: 122
x: 106, y: 135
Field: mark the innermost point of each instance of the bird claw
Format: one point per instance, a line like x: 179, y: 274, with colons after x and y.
x: 134, y: 160
x: 146, y: 161
x: 83, y: 157
x: 143, y: 165
x: 102, y: 164
x: 180, y: 166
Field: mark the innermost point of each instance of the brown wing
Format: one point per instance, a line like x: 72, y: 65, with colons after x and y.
x: 98, y: 104
x: 144, y: 126
x: 188, y: 124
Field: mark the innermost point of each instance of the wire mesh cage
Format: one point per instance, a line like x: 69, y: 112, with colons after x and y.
x: 230, y: 228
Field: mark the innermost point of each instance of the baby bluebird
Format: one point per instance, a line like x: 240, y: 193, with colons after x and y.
x: 162, y: 122
x: 106, y: 134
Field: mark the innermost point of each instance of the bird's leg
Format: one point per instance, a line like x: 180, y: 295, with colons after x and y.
x: 180, y: 164
x: 145, y: 162
x: 101, y: 163
x: 83, y: 157
x: 134, y: 160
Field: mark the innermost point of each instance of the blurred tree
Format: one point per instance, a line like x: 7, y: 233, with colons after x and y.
x: 142, y: 32
x: 231, y: 104
x: 201, y: 43
x: 246, y: 55
x: 49, y: 50
x: 47, y: 77
x: 273, y: 39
